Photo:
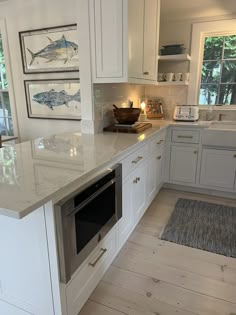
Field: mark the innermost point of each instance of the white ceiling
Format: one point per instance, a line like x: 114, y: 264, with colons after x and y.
x: 191, y: 9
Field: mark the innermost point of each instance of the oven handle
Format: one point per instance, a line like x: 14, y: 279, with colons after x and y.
x: 93, y: 196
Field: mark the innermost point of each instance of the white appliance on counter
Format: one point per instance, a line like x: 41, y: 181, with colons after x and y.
x: 186, y: 113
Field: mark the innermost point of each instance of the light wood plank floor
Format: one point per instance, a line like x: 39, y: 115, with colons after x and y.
x: 154, y: 277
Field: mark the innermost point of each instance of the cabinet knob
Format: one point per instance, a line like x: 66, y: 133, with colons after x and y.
x: 234, y: 155
x: 159, y: 157
x: 195, y: 152
x: 146, y: 73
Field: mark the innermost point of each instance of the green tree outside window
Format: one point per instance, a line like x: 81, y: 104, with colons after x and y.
x: 218, y: 79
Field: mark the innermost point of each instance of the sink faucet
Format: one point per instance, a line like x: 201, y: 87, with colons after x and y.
x: 221, y: 117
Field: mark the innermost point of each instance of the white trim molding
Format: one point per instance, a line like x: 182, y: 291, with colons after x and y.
x: 3, y: 31
x: 199, y: 32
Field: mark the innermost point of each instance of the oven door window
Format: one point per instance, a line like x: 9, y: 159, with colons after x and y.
x: 94, y: 215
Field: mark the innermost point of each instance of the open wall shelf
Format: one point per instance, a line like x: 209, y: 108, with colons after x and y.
x: 181, y: 57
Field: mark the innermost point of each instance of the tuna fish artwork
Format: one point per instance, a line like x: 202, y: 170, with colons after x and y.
x: 53, y: 98
x: 60, y: 49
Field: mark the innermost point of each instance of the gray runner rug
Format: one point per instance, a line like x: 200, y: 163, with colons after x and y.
x: 203, y: 225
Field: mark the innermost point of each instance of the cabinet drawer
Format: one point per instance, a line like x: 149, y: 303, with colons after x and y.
x: 157, y: 141
x: 133, y: 160
x: 91, y: 272
x: 185, y: 136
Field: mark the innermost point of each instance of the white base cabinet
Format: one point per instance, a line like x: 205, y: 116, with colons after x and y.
x: 218, y: 168
x: 183, y: 164
x: 25, y: 275
x: 155, y: 174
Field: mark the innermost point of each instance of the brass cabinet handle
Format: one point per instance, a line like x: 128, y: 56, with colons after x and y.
x: 159, y: 157
x: 159, y: 142
x: 137, y: 160
x: 186, y: 137
x: 136, y: 180
x: 146, y: 73
x: 104, y: 250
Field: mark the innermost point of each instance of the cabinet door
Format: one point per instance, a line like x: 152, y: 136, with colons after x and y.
x: 107, y: 38
x: 218, y: 168
x: 126, y: 222
x: 183, y: 164
x: 135, y: 37
x: 8, y: 309
x: 151, y: 39
x: 154, y: 178
x: 139, y: 192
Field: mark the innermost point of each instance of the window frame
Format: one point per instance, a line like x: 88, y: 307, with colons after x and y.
x: 199, y: 32
x: 10, y: 90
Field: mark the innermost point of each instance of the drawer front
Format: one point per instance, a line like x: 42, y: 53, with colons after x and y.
x: 185, y: 136
x: 157, y: 141
x: 133, y: 160
x: 91, y: 272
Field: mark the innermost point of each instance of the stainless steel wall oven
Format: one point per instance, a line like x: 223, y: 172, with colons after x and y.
x: 85, y: 217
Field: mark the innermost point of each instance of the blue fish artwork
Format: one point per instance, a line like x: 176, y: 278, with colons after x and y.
x: 60, y: 49
x: 53, y: 98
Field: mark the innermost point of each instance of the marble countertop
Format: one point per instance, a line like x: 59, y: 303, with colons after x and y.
x: 35, y: 172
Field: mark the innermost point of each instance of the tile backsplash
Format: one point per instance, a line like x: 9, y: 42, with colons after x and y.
x: 107, y: 94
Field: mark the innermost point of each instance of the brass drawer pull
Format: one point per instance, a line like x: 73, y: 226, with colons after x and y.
x: 159, y: 157
x: 159, y: 142
x: 104, y: 250
x: 137, y: 160
x: 136, y: 180
x: 146, y: 73
x: 186, y: 137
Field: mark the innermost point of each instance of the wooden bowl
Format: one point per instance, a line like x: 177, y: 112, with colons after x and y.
x: 127, y: 115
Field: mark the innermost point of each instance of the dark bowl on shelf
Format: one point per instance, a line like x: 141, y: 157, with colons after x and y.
x: 127, y: 115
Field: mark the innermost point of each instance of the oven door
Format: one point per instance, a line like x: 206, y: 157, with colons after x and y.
x: 86, y: 218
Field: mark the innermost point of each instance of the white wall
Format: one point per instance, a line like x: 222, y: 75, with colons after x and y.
x: 21, y: 15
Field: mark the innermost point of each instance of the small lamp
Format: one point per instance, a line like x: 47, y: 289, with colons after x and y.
x: 143, y: 115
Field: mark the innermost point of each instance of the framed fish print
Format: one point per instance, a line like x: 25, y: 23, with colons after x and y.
x: 53, y: 99
x: 54, y: 49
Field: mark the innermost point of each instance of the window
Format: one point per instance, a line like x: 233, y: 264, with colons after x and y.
x: 218, y: 75
x: 213, y: 64
x: 6, y: 125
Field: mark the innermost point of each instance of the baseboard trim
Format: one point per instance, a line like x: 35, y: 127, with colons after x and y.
x: 199, y: 190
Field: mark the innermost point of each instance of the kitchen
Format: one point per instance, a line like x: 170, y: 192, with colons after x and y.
x: 41, y: 271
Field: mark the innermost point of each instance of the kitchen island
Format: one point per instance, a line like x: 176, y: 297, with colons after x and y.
x: 39, y: 173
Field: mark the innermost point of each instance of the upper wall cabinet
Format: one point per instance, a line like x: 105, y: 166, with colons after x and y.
x: 124, y: 40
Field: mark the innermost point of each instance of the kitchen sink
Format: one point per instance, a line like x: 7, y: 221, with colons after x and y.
x: 223, y: 125
x: 220, y: 133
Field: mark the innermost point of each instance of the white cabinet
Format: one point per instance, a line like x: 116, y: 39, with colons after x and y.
x: 89, y: 274
x: 25, y: 275
x: 218, y: 168
x: 7, y: 309
x: 139, y: 192
x: 124, y: 40
x: 107, y: 29
x: 127, y: 221
x: 134, y: 201
x: 155, y: 174
x: 183, y: 164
